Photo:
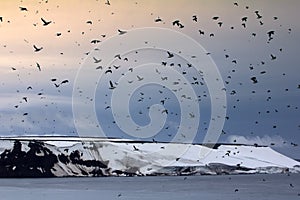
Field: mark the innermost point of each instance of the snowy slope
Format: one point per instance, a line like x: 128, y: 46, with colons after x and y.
x: 70, y: 156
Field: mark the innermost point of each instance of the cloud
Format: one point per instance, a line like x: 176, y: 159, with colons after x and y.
x: 265, y: 140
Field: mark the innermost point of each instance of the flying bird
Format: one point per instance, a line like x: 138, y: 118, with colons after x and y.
x: 273, y: 57
x: 23, y: 9
x: 158, y: 19
x: 195, y: 18
x: 254, y: 80
x: 244, y: 19
x: 96, y: 60
x: 38, y: 66
x: 36, y: 49
x: 111, y: 85
x: 139, y: 78
x: 177, y: 23
x: 118, y: 56
x: 201, y: 32
x: 108, y: 71
x: 121, y: 32
x: 135, y: 149
x: 258, y: 16
x: 107, y: 2
x: 95, y: 41
x: 215, y: 18
x: 64, y: 81
x: 25, y: 99
x: 89, y: 22
x: 45, y: 23
x: 170, y: 55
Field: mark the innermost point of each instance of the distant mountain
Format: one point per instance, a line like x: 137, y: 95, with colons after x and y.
x: 71, y: 156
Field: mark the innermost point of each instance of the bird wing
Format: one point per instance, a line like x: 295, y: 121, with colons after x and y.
x: 43, y: 20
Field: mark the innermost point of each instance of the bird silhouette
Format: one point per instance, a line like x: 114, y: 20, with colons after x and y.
x: 170, y: 55
x: 45, y: 23
x: 254, y: 79
x: 139, y: 78
x: 36, y: 49
x: 121, y: 32
x: 177, y: 23
x: 215, y: 18
x: 195, y: 18
x: 201, y: 32
x: 95, y: 41
x: 135, y: 148
x: 244, y: 19
x: 273, y: 57
x: 38, y: 66
x: 108, y: 71
x: 258, y: 16
x: 107, y: 2
x: 96, y: 60
x: 118, y: 56
x: 64, y: 81
x: 89, y: 22
x: 23, y: 9
x: 158, y: 19
x: 111, y: 85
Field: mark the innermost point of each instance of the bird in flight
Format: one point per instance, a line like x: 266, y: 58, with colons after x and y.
x: 170, y: 55
x: 38, y: 66
x: 121, y: 32
x: 96, y: 60
x: 36, y: 49
x: 45, y: 23
x: 111, y: 85
x: 23, y: 9
x: 95, y: 41
x: 64, y: 81
x: 273, y: 57
x: 195, y: 18
x: 158, y: 19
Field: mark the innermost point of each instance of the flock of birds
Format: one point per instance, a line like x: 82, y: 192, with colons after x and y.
x: 195, y: 79
x: 176, y: 23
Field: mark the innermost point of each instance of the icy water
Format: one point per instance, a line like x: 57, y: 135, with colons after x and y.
x: 227, y: 187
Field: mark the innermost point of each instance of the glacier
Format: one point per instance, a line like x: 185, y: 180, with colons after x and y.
x: 75, y: 156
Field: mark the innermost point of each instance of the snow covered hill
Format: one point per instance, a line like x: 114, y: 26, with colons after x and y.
x: 72, y: 156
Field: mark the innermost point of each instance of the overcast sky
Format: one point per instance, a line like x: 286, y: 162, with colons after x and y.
x: 259, y: 71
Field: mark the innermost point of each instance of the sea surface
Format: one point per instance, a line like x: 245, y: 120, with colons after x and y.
x: 223, y: 187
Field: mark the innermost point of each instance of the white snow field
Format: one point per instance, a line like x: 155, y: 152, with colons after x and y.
x: 71, y: 156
